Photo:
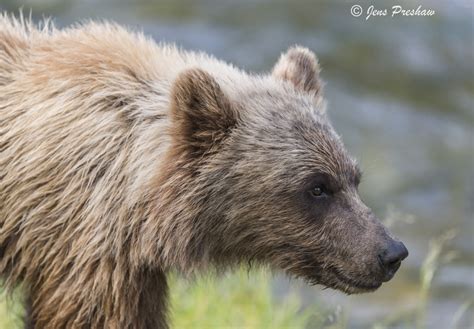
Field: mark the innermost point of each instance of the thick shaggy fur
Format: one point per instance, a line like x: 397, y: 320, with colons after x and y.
x: 121, y: 159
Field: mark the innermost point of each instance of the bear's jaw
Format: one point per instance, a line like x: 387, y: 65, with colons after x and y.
x: 353, y: 285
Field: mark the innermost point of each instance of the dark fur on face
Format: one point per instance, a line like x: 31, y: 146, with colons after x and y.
x: 257, y: 162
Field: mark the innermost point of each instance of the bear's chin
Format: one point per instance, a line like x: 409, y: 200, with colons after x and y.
x: 352, y: 285
x: 341, y: 282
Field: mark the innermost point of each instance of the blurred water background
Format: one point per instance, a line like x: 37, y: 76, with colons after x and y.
x: 401, y: 94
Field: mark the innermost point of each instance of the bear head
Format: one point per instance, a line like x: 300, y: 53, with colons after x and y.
x: 258, y: 174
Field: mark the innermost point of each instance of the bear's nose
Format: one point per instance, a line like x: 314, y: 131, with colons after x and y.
x: 391, y: 258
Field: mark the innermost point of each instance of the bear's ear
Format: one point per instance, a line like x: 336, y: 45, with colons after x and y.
x: 300, y: 67
x: 201, y: 113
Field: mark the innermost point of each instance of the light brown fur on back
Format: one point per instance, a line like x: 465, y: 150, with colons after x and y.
x: 83, y: 130
x: 70, y: 206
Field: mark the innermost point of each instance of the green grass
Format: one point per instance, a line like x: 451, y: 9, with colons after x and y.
x: 238, y: 300
x: 11, y: 311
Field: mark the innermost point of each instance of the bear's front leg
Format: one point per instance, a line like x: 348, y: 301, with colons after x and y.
x: 153, y: 303
x: 134, y: 301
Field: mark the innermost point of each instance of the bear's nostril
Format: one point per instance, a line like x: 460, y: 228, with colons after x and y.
x: 391, y: 258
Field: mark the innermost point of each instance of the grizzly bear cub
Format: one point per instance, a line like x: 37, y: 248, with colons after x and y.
x: 121, y: 160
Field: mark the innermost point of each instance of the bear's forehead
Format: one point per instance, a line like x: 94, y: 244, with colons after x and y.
x: 303, y: 143
x: 291, y: 131
x: 317, y: 148
x: 275, y: 100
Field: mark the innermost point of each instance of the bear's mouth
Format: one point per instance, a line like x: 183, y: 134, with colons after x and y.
x: 350, y: 285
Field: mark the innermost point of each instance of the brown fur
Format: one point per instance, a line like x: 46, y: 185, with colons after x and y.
x: 121, y: 159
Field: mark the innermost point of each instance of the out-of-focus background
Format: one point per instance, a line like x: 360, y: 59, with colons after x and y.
x: 401, y: 94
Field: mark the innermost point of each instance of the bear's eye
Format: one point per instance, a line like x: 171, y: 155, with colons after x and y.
x: 319, y: 191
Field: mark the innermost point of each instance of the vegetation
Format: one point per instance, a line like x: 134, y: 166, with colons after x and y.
x: 11, y: 311
x: 224, y: 303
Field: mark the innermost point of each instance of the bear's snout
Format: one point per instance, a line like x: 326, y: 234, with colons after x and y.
x: 391, y: 257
